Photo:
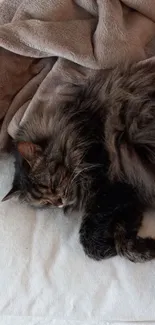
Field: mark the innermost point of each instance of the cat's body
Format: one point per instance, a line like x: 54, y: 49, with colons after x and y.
x: 96, y: 153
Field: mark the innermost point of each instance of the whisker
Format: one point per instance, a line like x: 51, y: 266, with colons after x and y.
x: 86, y: 169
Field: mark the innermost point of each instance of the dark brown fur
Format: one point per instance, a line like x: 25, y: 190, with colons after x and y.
x: 98, y: 153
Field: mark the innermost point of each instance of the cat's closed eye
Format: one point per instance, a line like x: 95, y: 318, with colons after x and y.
x: 44, y: 186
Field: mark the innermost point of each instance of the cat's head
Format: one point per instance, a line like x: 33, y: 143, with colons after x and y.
x: 41, y: 181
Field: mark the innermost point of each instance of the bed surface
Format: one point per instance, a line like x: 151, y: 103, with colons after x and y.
x: 45, y: 278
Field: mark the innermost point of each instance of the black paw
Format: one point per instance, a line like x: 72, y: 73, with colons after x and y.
x: 95, y: 239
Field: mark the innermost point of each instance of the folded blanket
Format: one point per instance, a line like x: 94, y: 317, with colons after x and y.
x: 48, y: 46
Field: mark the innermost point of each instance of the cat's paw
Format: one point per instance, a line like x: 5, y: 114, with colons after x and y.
x: 95, y: 240
x: 139, y: 250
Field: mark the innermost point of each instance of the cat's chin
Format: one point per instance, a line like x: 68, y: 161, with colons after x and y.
x: 61, y: 206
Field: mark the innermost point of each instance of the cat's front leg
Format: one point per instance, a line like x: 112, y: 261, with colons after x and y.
x: 96, y: 237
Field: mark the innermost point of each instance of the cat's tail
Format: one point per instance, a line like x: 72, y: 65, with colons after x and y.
x: 134, y: 248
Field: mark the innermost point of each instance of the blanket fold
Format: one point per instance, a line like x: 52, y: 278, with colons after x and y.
x: 48, y: 46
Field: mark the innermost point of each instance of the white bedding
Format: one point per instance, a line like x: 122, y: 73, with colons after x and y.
x: 45, y: 278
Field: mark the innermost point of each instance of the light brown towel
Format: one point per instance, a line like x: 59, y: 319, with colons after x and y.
x: 60, y: 43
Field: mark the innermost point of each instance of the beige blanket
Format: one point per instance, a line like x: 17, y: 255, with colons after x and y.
x: 48, y: 46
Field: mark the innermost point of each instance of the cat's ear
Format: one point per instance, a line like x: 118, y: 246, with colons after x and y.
x: 13, y: 192
x: 29, y: 151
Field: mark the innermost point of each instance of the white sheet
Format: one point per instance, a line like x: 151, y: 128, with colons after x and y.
x: 45, y: 278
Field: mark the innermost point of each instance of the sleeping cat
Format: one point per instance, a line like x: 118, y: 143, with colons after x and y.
x: 97, y: 154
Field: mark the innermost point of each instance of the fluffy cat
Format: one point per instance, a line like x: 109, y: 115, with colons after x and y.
x: 96, y: 153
